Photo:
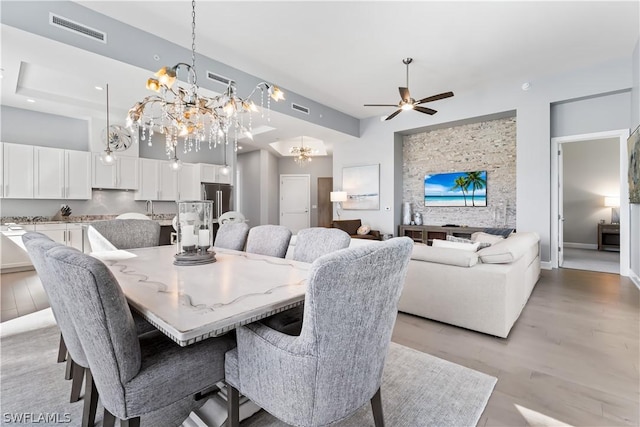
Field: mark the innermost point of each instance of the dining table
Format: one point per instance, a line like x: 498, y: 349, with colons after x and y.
x: 190, y: 303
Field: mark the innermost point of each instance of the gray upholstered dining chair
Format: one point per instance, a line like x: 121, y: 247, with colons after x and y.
x: 314, y: 242
x: 37, y: 244
x: 129, y: 233
x: 271, y: 240
x: 232, y: 236
x: 335, y: 365
x: 311, y: 243
x: 134, y: 375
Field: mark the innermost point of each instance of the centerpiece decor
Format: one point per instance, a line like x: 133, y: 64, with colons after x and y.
x: 194, y: 233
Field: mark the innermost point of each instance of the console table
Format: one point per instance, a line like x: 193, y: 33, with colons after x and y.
x: 426, y: 233
x: 609, y: 237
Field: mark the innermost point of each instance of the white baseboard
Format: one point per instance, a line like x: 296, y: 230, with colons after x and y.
x: 590, y: 246
x: 546, y: 265
x: 634, y: 278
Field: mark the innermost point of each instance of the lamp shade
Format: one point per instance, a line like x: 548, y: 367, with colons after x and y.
x: 612, y: 202
x: 338, y: 196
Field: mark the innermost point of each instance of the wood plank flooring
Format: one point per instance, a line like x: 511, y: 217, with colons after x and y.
x: 571, y: 359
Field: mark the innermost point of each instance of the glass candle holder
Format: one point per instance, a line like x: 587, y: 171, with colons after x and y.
x: 194, y: 220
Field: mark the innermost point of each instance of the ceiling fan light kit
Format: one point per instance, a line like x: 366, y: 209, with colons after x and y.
x: 407, y: 102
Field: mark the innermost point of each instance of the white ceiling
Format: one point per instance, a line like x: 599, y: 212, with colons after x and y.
x: 341, y: 54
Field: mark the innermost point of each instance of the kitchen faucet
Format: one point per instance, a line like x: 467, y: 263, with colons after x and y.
x: 149, y: 203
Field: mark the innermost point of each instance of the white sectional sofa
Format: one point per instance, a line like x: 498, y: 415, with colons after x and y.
x: 484, y: 291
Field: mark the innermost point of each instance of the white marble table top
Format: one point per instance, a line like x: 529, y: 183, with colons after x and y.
x: 192, y: 303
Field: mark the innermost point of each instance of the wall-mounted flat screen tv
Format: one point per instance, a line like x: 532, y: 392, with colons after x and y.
x: 456, y: 189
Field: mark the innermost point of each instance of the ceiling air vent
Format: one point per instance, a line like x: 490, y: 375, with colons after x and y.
x: 299, y: 108
x: 69, y: 25
x: 218, y: 78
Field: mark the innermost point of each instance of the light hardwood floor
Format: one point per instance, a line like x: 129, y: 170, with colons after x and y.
x: 571, y: 359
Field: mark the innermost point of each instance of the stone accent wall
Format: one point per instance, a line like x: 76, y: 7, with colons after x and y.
x: 489, y: 146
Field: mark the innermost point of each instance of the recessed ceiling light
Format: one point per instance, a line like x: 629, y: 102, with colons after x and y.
x: 526, y: 86
x: 31, y: 100
x: 98, y: 87
x: 239, y: 147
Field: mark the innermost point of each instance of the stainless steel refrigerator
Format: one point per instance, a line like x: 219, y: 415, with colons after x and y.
x: 221, y: 195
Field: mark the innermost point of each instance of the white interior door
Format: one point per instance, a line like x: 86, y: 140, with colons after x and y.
x: 560, y: 207
x: 294, y: 202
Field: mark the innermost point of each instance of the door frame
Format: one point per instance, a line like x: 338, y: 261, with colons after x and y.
x: 288, y: 175
x: 622, y: 135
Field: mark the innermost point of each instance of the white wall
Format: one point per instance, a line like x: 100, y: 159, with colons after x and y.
x: 591, y: 171
x: 376, y: 144
x: 250, y: 199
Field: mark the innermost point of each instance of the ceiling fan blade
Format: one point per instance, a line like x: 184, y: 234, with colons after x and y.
x: 380, y: 105
x: 395, y: 113
x: 436, y: 97
x: 424, y: 110
x: 404, y: 94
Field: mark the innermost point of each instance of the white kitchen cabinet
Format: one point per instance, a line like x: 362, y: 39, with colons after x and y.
x: 158, y: 181
x: 168, y: 182
x: 77, y: 177
x: 17, y: 171
x: 2, y: 174
x: 123, y: 175
x: 67, y: 234
x: 49, y: 173
x: 188, y: 183
x: 211, y: 174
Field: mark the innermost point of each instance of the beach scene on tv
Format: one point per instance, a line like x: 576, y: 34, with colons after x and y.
x: 456, y: 189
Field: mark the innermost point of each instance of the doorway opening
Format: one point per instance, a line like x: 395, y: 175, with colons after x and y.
x: 589, y: 174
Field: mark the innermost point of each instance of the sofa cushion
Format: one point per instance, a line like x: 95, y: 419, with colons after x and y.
x: 482, y: 245
x: 488, y: 239
x: 472, y: 247
x: 444, y: 256
x: 508, y: 250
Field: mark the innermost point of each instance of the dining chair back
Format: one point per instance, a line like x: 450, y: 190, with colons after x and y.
x: 312, y: 243
x: 335, y: 365
x: 134, y: 375
x: 129, y: 233
x: 271, y: 240
x: 232, y: 235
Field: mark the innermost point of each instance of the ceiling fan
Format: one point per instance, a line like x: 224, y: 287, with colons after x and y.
x: 407, y: 102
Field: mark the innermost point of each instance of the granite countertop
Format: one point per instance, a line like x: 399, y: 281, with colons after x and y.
x: 163, y: 219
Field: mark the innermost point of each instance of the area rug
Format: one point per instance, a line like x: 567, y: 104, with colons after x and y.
x: 417, y: 389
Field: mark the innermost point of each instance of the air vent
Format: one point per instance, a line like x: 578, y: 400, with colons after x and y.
x: 76, y: 27
x: 299, y: 108
x: 218, y: 78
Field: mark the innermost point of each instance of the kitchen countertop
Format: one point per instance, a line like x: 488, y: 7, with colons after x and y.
x: 162, y: 219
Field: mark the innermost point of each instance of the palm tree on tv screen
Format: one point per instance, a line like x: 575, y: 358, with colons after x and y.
x: 477, y: 182
x: 463, y: 184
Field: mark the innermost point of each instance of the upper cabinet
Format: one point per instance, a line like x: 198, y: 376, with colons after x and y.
x: 188, y: 182
x: 157, y: 181
x: 61, y: 174
x: 17, y: 171
x: 212, y: 174
x: 45, y: 173
x: 123, y: 175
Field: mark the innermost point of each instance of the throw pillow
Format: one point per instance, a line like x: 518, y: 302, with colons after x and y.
x: 463, y: 240
x: 472, y: 247
x: 363, y: 229
x: 486, y: 238
x: 504, y: 232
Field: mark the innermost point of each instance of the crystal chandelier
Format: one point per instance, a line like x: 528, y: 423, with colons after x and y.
x: 181, y: 112
x: 302, y: 154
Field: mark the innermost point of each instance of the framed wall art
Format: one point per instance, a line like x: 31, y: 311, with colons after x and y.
x: 362, y: 185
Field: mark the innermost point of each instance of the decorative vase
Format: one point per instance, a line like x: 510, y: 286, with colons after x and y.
x: 406, y: 213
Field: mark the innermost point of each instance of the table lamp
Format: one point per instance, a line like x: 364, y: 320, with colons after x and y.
x: 338, y: 197
x: 614, y: 204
